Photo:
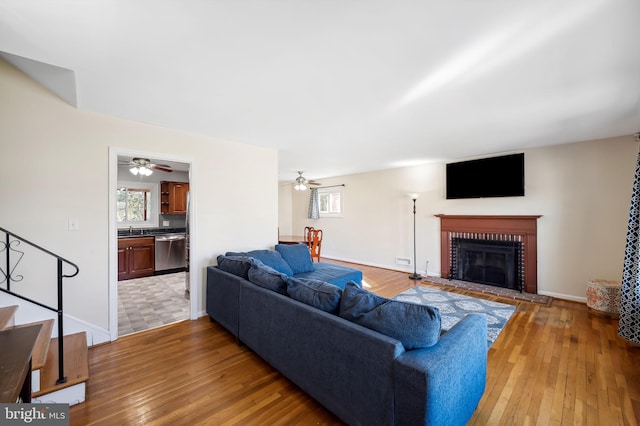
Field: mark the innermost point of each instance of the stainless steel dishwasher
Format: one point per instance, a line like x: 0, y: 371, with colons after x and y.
x: 170, y: 252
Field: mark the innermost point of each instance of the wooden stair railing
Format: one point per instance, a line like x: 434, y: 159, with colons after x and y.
x: 9, y: 275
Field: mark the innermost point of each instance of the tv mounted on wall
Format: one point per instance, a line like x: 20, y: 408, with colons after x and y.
x: 486, y: 177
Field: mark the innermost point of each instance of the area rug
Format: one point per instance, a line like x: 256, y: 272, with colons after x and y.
x: 453, y: 307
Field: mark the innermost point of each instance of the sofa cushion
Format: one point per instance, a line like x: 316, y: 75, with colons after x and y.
x: 333, y: 274
x: 416, y: 326
x: 297, y: 256
x: 267, y: 277
x: 316, y: 293
x: 269, y: 258
x: 236, y: 265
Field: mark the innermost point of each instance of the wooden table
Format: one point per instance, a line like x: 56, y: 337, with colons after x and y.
x: 15, y: 363
x: 291, y: 239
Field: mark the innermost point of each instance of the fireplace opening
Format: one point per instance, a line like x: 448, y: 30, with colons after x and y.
x: 497, y: 263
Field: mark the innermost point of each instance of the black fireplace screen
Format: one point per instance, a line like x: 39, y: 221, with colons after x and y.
x: 497, y: 263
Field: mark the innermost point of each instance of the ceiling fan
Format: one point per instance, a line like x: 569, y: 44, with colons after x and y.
x: 145, y: 167
x: 301, y: 182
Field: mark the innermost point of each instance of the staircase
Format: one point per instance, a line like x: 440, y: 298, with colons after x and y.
x: 59, y: 367
x: 44, y: 362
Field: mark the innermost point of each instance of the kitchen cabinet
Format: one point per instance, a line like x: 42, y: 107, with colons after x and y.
x: 173, y: 197
x: 136, y: 257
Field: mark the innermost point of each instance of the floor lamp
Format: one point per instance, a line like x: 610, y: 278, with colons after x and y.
x: 415, y: 275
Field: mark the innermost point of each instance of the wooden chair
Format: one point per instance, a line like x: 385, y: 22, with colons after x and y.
x: 307, y: 236
x: 315, y: 243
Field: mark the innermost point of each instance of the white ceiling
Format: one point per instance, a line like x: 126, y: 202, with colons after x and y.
x: 346, y: 86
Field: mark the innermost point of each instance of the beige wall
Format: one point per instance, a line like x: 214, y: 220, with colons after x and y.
x: 55, y: 165
x: 285, y: 209
x: 582, y: 191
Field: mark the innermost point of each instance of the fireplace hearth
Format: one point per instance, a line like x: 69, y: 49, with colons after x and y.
x: 486, y: 261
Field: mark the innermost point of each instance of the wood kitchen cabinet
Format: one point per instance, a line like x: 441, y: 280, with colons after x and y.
x: 173, y: 197
x: 136, y: 257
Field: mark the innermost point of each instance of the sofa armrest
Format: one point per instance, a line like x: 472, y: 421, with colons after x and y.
x: 223, y: 298
x: 443, y: 384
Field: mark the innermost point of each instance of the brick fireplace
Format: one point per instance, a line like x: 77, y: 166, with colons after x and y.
x: 516, y: 231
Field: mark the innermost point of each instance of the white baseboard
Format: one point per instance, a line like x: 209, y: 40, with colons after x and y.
x: 95, y: 335
x: 564, y: 296
x: 28, y: 312
x: 407, y: 270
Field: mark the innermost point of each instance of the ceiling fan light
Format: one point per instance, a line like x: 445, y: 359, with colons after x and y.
x: 300, y: 186
x: 135, y: 170
x: 145, y: 171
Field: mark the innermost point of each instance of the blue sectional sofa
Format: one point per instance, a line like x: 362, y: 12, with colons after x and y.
x: 367, y: 359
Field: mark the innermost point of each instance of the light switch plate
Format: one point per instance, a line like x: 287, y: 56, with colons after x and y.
x: 165, y: 223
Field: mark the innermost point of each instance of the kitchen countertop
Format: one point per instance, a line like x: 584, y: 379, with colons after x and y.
x: 149, y: 232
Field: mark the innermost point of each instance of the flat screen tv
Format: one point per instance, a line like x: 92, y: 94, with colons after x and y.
x: 486, y: 177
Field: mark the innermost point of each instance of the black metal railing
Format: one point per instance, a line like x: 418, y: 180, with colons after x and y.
x: 9, y: 275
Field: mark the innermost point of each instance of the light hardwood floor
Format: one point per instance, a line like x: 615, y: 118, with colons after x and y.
x: 552, y: 365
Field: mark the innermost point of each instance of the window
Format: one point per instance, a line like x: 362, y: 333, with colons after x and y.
x: 135, y: 204
x: 330, y: 201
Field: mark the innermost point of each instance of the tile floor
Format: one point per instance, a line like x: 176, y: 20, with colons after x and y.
x: 149, y: 302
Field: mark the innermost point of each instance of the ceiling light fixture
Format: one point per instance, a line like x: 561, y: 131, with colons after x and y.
x: 300, y: 183
x: 142, y: 170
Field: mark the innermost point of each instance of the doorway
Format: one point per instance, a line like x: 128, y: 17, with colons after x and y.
x: 146, y: 292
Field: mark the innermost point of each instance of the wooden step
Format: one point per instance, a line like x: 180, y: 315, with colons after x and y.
x: 39, y: 356
x: 76, y: 364
x: 6, y: 316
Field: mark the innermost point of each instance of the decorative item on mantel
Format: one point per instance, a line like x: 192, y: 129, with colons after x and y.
x: 415, y: 275
x: 603, y: 297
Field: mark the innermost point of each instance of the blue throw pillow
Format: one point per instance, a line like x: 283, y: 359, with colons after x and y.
x: 416, y: 326
x: 297, y: 256
x: 269, y: 258
x: 319, y: 294
x: 269, y: 278
x: 236, y: 265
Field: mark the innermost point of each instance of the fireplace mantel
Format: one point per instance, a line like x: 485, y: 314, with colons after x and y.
x: 523, y: 227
